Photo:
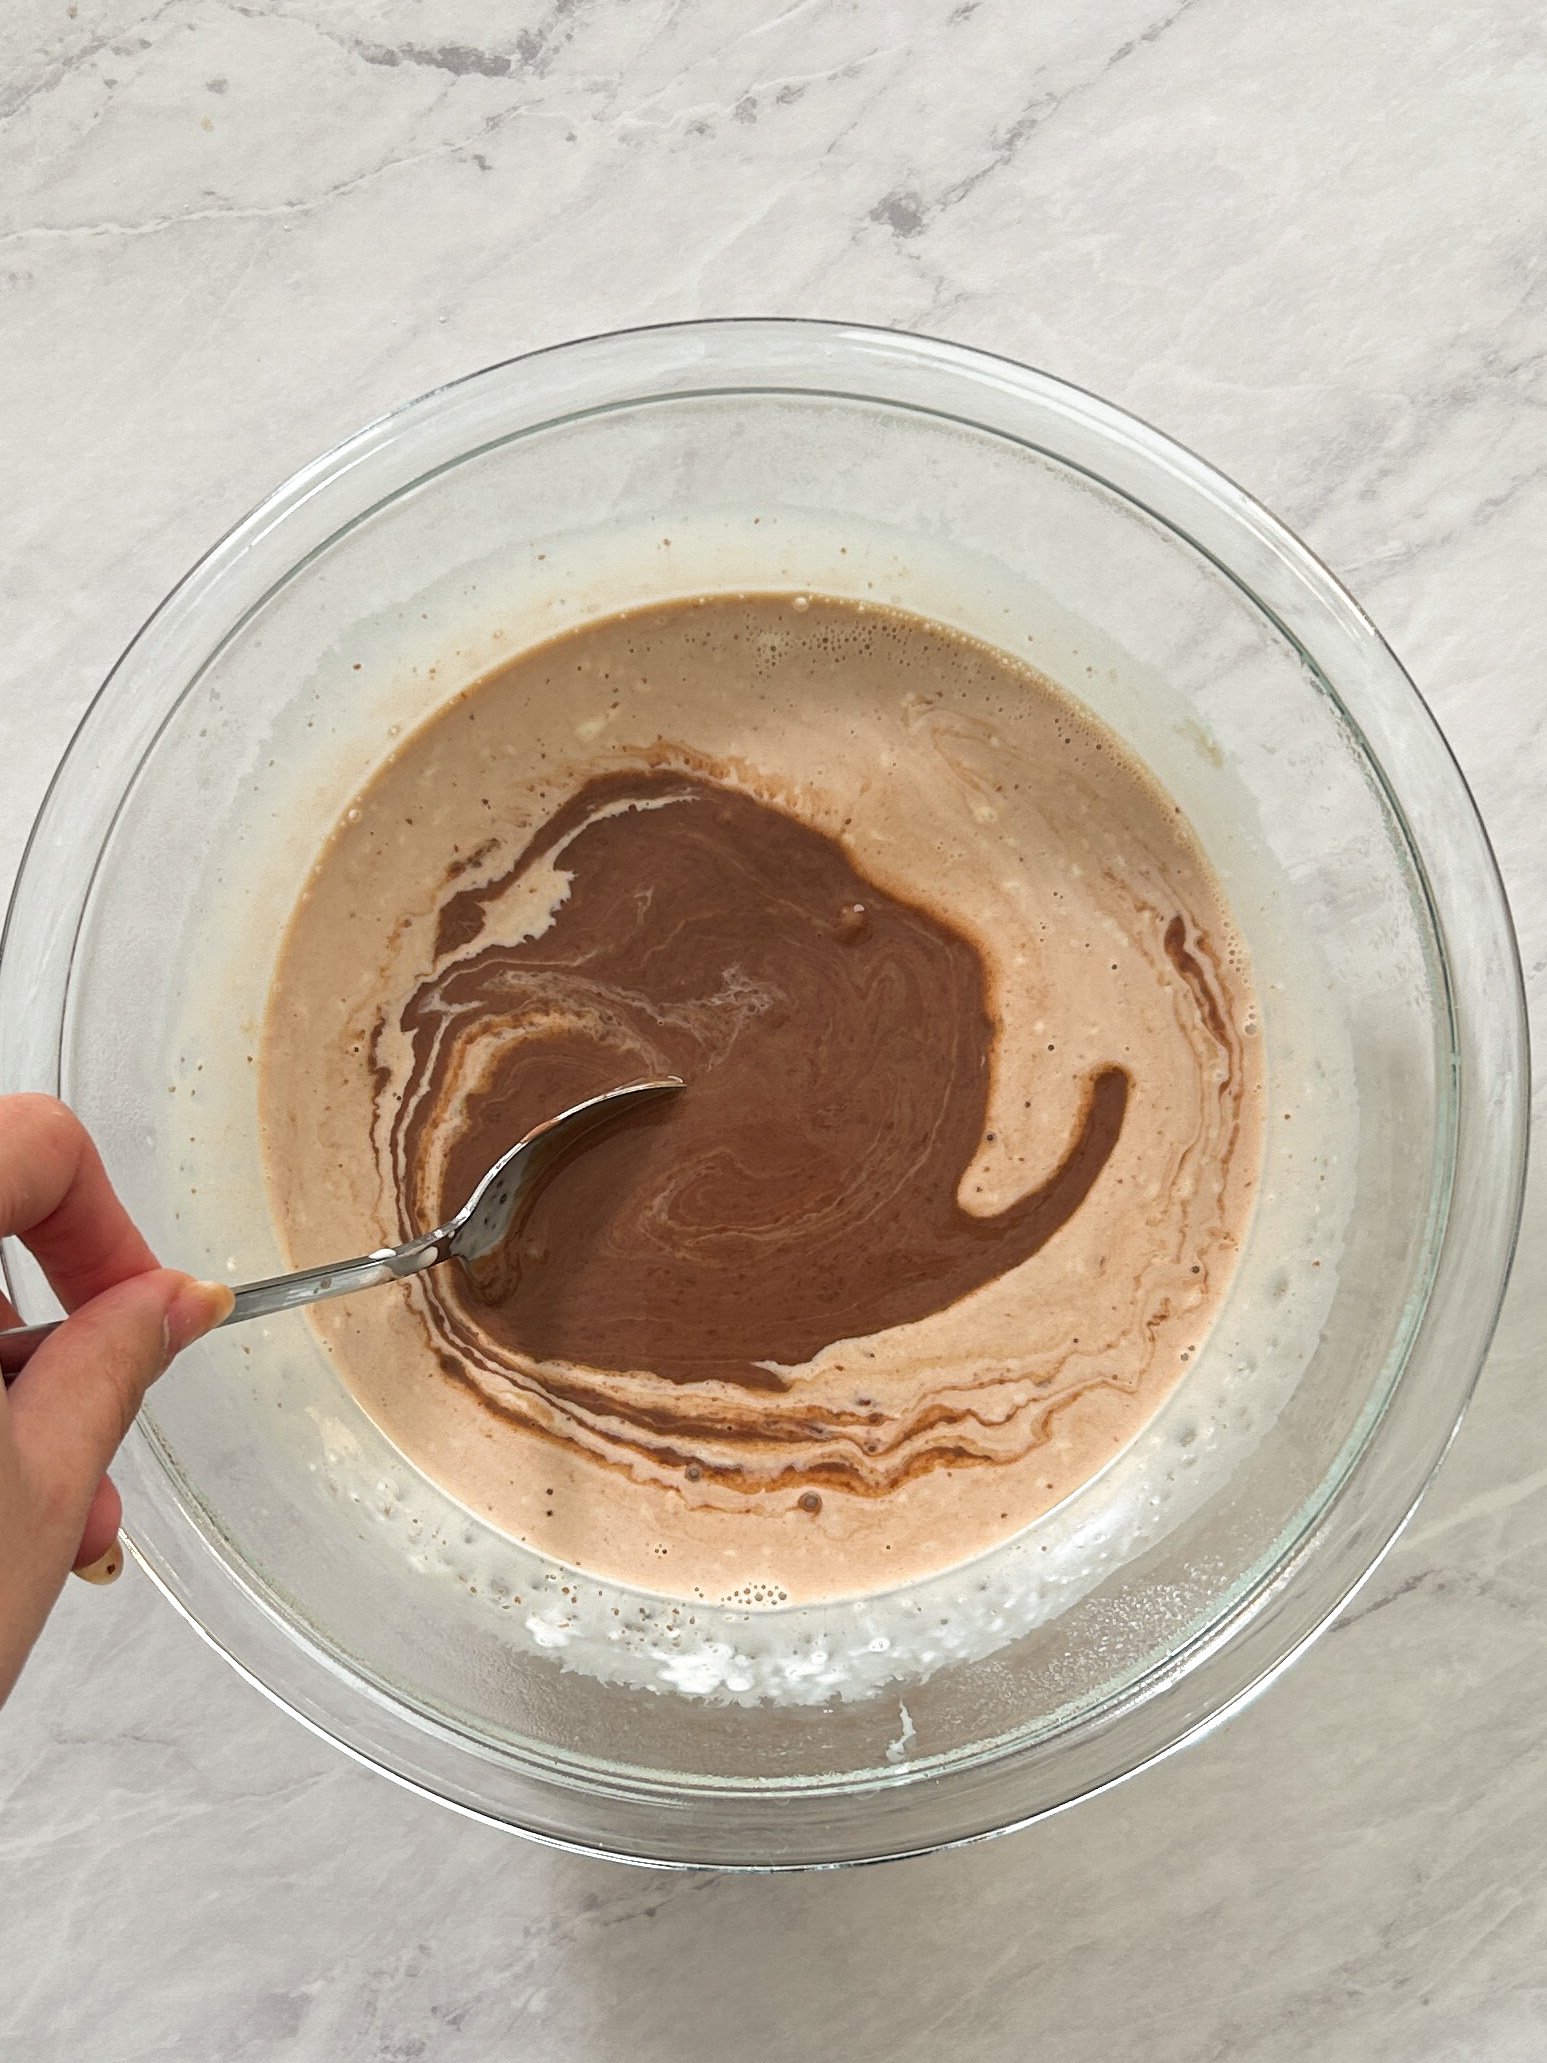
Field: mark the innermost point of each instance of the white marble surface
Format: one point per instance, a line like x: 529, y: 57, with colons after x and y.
x: 1305, y: 238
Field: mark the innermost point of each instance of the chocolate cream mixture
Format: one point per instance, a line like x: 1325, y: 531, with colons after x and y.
x: 973, y: 1109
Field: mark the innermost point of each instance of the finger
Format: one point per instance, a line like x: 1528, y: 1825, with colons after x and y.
x: 103, y: 1519
x: 77, y: 1396
x: 56, y: 1198
x: 108, y: 1569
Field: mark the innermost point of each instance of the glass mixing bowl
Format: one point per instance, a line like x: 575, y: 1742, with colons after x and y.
x: 791, y: 455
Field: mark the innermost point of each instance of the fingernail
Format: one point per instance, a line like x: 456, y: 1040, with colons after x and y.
x: 196, y: 1310
x: 107, y: 1568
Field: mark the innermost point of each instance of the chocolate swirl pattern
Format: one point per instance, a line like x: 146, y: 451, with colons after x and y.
x: 836, y: 1043
x: 973, y: 1102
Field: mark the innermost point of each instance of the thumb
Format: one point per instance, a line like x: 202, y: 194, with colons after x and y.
x: 77, y: 1397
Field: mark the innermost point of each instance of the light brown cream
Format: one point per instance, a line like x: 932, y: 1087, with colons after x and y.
x: 954, y: 780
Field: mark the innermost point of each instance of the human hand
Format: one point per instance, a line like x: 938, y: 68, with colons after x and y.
x: 71, y: 1405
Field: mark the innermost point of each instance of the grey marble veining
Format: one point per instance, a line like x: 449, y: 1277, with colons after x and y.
x: 1307, y: 240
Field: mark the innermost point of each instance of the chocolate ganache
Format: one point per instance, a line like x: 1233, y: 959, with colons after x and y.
x: 972, y: 1120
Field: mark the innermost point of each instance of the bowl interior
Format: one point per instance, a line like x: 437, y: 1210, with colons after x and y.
x: 265, y: 1499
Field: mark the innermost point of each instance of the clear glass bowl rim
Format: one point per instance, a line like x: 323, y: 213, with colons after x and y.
x: 1354, y: 1526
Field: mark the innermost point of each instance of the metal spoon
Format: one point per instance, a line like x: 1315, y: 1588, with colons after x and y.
x: 477, y: 1234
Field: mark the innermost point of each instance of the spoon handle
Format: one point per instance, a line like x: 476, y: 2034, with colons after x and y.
x: 18, y: 1346
x: 275, y: 1293
x: 311, y: 1285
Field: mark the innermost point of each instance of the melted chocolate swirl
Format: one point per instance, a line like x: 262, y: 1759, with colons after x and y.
x: 805, y: 1188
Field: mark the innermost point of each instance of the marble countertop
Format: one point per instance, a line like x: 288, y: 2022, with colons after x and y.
x: 1306, y: 239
